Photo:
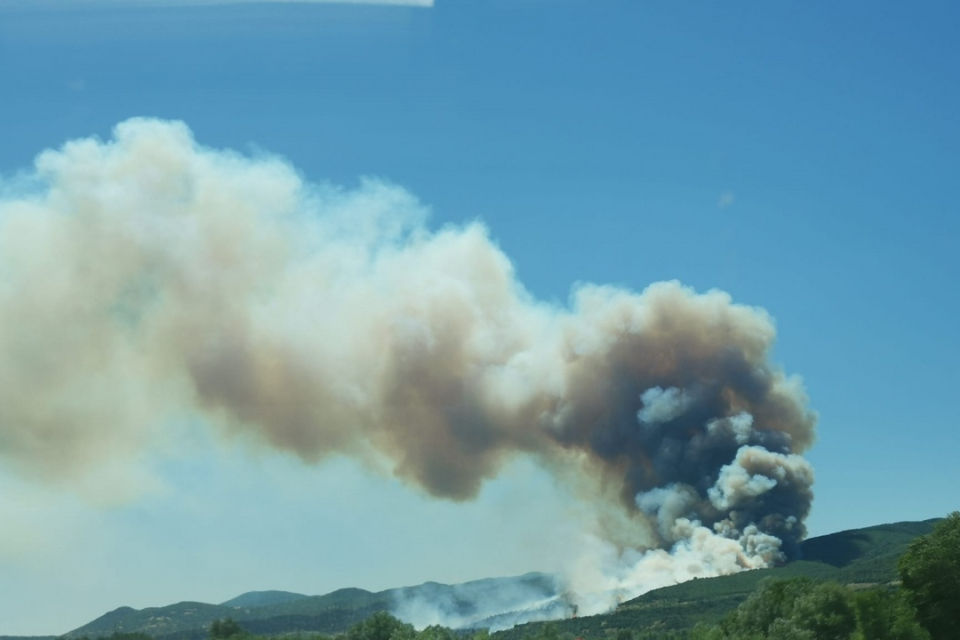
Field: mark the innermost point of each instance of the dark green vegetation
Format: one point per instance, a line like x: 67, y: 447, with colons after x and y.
x: 930, y: 571
x: 922, y: 607
x: 845, y: 587
x: 805, y: 609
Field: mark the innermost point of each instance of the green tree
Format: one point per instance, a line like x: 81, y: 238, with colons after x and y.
x: 886, y: 615
x: 226, y: 628
x: 930, y: 574
x: 773, y: 600
x: 826, y: 611
x: 405, y: 632
x: 548, y: 631
x: 796, y: 609
x: 380, y: 626
x: 436, y: 632
x: 789, y: 629
x: 707, y: 632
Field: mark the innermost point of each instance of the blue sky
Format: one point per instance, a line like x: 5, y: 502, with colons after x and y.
x: 799, y: 155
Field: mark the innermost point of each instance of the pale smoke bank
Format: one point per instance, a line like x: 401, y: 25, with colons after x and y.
x: 147, y: 279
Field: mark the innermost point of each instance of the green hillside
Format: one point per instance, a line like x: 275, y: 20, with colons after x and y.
x: 858, y: 557
x: 155, y: 621
x: 330, y: 613
x: 866, y: 555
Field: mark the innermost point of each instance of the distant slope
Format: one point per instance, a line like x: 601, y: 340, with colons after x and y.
x: 860, y: 556
x: 866, y: 555
x: 155, y: 621
x: 281, y: 612
x: 253, y: 599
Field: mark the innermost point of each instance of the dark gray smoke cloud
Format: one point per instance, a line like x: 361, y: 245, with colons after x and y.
x: 147, y: 278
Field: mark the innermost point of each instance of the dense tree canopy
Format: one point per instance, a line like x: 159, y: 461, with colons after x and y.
x: 804, y: 609
x: 886, y: 615
x: 381, y: 626
x: 798, y: 608
x: 930, y: 573
x: 226, y: 628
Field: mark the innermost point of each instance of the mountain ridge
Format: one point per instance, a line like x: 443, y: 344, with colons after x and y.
x: 855, y: 556
x: 253, y: 599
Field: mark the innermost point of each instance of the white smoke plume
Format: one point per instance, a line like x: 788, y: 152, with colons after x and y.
x: 494, y: 604
x: 146, y: 279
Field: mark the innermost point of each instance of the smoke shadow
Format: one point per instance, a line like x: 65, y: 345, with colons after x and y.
x: 837, y: 549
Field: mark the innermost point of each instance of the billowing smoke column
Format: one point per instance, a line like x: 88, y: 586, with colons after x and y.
x: 147, y: 279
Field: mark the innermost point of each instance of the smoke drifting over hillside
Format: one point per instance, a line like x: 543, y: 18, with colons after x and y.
x: 147, y: 279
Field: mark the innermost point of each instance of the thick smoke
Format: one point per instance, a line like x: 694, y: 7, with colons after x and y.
x: 147, y: 279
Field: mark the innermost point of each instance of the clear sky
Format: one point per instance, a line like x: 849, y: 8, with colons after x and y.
x: 802, y: 156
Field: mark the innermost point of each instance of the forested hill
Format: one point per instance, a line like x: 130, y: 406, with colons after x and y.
x: 266, y: 612
x: 859, y: 557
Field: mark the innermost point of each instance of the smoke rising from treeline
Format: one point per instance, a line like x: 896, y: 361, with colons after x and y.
x: 146, y: 279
